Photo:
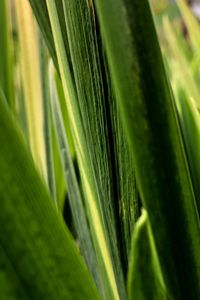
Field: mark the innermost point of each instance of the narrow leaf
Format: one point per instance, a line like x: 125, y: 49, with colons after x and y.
x: 6, y: 54
x: 144, y: 278
x: 74, y: 195
x: 97, y: 226
x: 31, y: 82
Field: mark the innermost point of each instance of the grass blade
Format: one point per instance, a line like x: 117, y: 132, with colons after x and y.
x: 74, y: 195
x: 145, y: 278
x: 31, y: 82
x: 6, y: 59
x: 48, y: 132
x: 99, y: 234
x: 185, y: 87
x: 148, y: 114
x: 41, y: 14
x: 189, y: 119
x: 128, y: 196
x: 38, y: 257
x: 95, y: 113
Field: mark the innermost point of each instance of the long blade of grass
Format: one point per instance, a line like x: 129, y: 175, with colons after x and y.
x: 115, y: 193
x: 190, y: 124
x: 148, y: 114
x: 39, y: 259
x: 65, y: 116
x: 186, y: 90
x: 128, y: 196
x: 85, y: 51
x: 41, y: 14
x: 74, y: 195
x: 6, y: 59
x: 31, y: 82
x: 145, y: 277
x: 97, y: 226
x: 66, y: 123
x: 48, y: 132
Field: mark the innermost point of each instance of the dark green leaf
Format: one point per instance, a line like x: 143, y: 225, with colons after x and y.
x: 145, y: 280
x: 148, y: 114
x: 38, y: 258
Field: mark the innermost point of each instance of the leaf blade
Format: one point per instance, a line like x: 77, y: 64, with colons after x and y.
x: 40, y: 248
x: 144, y: 96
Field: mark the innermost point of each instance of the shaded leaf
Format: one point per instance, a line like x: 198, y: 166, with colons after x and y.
x: 148, y: 114
x: 144, y: 278
x: 38, y: 257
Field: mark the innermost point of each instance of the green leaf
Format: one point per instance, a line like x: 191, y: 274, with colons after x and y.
x: 38, y: 258
x: 190, y: 125
x: 145, y: 280
x: 73, y: 190
x: 101, y: 149
x: 148, y: 114
x: 92, y: 88
x: 65, y: 115
x: 125, y: 182
x: 31, y: 82
x: 186, y: 92
x: 41, y: 14
x: 82, y: 151
x: 51, y: 162
x: 6, y: 54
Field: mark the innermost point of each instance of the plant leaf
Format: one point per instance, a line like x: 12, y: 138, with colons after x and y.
x: 189, y: 119
x: 38, y: 258
x: 148, y: 114
x: 41, y: 14
x: 53, y: 163
x: 97, y: 225
x: 6, y: 59
x: 144, y: 278
x: 74, y: 195
x: 31, y: 82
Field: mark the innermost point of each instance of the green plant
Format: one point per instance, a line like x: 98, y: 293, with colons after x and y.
x: 92, y: 135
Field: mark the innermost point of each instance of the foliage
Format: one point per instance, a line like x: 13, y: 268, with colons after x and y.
x: 99, y: 163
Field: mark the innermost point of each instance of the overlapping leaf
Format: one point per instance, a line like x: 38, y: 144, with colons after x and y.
x: 39, y: 259
x: 148, y: 114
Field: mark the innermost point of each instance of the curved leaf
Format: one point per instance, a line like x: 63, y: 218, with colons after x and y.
x: 38, y: 258
x: 145, y: 280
